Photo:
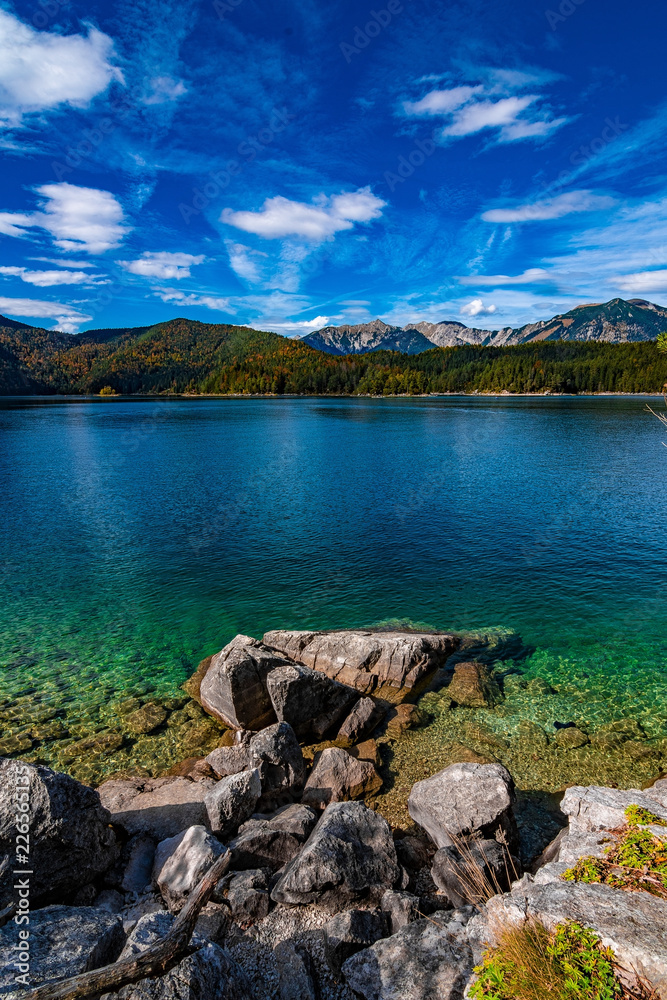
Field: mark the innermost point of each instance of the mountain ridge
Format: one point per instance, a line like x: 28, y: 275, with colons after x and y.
x: 616, y: 322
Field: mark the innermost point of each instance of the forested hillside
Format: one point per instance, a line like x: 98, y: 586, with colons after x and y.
x: 183, y: 356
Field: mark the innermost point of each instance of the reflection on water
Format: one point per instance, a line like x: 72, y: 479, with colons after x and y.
x: 140, y: 536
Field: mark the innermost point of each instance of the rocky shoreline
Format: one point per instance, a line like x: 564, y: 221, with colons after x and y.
x: 324, y: 898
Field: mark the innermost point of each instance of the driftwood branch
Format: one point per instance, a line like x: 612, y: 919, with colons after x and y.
x: 152, y: 962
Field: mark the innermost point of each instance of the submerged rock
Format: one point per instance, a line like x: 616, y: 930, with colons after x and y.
x: 349, y: 855
x: 338, y: 777
x: 367, y: 659
x: 466, y: 799
x: 473, y: 686
x: 71, y: 841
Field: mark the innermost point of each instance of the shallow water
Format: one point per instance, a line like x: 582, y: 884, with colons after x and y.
x: 140, y: 535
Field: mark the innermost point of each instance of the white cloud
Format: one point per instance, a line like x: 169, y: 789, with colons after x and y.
x: 494, y: 104
x: 551, y: 208
x: 78, y: 218
x: 45, y: 279
x: 476, y: 308
x: 438, y: 102
x: 642, y: 281
x: 182, y: 299
x: 67, y: 318
x: 327, y: 215
x: 164, y: 89
x: 40, y: 70
x: 161, y: 264
x: 533, y: 274
x: 12, y: 223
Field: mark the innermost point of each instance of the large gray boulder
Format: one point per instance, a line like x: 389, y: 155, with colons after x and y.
x: 367, y: 659
x: 275, y: 751
x: 63, y: 941
x: 232, y: 801
x: 270, y: 842
x: 463, y: 800
x: 234, y: 686
x: 311, y: 702
x: 182, y: 861
x: 633, y: 924
x: 229, y: 760
x: 339, y: 777
x: 592, y: 807
x: 160, y: 807
x: 350, y: 855
x: 71, y: 841
x: 209, y: 973
x: 429, y: 959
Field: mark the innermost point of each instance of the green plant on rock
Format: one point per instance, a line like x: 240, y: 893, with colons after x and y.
x: 529, y: 963
x: 636, y: 860
x: 637, y: 816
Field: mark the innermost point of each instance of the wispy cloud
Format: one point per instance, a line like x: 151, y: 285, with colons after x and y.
x: 40, y: 70
x: 646, y: 282
x: 529, y: 277
x: 180, y: 298
x: 552, y: 208
x: 322, y: 219
x: 46, y: 279
x: 162, y: 264
x: 494, y: 104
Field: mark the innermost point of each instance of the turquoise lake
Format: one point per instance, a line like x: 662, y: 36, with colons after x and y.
x: 139, y: 536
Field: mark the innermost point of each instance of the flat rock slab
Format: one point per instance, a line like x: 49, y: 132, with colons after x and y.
x: 161, y: 807
x: 365, y: 659
x: 465, y: 799
x: 593, y: 807
x: 64, y: 941
x: 633, y: 924
x: 426, y: 960
x: 71, y: 842
x: 349, y: 855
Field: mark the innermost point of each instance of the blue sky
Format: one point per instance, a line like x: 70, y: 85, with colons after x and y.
x: 294, y: 164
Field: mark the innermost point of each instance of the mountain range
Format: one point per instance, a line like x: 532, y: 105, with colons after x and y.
x: 613, y: 322
x: 609, y: 347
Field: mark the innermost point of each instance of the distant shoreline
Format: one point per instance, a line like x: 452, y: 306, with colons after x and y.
x: 316, y: 395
